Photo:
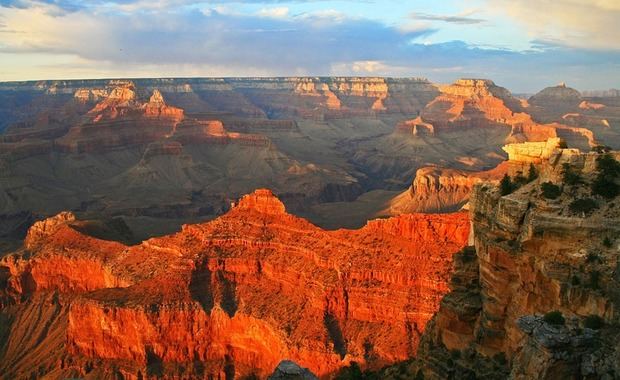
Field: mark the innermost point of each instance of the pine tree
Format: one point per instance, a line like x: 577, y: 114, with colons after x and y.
x: 505, y: 185
x: 532, y: 174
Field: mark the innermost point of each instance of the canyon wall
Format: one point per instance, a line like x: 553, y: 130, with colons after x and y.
x: 532, y: 259
x: 234, y: 296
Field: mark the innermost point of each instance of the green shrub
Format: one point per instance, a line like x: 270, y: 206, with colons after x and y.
x: 506, y: 186
x: 500, y: 358
x: 607, y: 242
x: 550, y: 191
x: 593, y: 257
x: 569, y: 176
x: 607, y: 165
x: 605, y: 186
x: 419, y: 375
x: 519, y: 180
x: 575, y: 280
x: 455, y: 354
x: 594, y: 280
x: 554, y: 318
x: 352, y: 372
x: 585, y: 205
x: 532, y: 173
x: 608, y: 171
x: 593, y: 322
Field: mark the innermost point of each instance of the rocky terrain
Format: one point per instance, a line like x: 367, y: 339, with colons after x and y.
x: 230, y: 297
x: 536, y: 293
x: 128, y: 248
x: 160, y: 152
x: 436, y: 189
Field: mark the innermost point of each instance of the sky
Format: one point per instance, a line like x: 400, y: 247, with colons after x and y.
x: 524, y: 45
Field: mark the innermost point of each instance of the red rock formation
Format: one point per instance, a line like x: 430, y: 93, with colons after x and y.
x: 437, y: 189
x: 478, y: 103
x: 243, y: 292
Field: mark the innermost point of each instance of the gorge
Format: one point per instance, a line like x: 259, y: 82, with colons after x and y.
x: 219, y: 228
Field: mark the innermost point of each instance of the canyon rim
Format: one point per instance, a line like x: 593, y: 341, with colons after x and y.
x: 309, y: 190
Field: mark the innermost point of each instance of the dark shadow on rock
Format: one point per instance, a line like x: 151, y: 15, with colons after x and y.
x: 200, y: 287
x: 335, y: 334
x: 228, y: 290
x: 154, y: 364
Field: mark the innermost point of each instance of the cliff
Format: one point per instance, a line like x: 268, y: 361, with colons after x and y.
x: 479, y: 103
x: 436, y: 189
x: 536, y: 294
x: 232, y: 296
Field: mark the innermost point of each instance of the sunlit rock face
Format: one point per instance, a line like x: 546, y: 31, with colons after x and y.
x: 480, y: 104
x: 530, y: 256
x: 436, y: 189
x: 235, y: 295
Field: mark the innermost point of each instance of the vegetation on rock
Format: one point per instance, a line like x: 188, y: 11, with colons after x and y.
x: 554, y: 318
x: 550, y: 191
x: 585, y: 205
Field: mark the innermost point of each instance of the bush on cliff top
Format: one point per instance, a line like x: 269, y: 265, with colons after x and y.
x: 532, y: 174
x: 585, y: 205
x: 506, y: 186
x: 569, y: 176
x: 608, y: 172
x: 554, y: 318
x: 550, y: 191
x: 593, y: 322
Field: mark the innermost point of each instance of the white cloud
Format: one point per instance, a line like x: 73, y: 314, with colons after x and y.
x: 591, y: 24
x: 278, y: 12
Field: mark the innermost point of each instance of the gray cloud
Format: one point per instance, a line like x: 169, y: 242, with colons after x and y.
x: 456, y: 19
x: 191, y: 42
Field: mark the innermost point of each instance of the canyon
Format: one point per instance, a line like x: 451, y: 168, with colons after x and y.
x: 532, y: 258
x: 260, y: 227
x: 230, y: 297
x: 162, y: 152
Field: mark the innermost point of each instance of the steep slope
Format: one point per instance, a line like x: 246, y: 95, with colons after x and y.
x: 561, y: 104
x: 235, y: 295
x: 536, y: 296
x: 463, y: 128
x: 437, y: 189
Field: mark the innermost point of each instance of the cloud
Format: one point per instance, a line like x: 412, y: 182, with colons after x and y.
x: 573, y: 23
x: 281, y: 45
x: 54, y: 40
x: 278, y: 12
x: 454, y: 19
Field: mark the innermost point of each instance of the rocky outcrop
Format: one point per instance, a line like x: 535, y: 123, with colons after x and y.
x: 559, y: 95
x: 288, y: 370
x: 438, y: 190
x: 531, y: 256
x: 241, y: 293
x: 533, y: 152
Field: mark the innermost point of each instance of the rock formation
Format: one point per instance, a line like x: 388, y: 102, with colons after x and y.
x: 288, y: 370
x: 535, y: 296
x: 197, y: 143
x: 437, y: 189
x: 233, y: 296
x: 479, y: 103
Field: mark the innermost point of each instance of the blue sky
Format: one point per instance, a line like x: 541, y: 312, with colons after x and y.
x: 524, y: 45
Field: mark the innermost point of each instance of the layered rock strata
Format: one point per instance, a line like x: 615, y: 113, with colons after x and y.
x: 237, y: 295
x: 536, y: 294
